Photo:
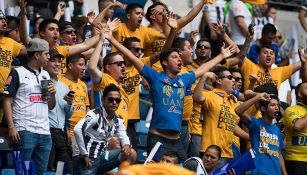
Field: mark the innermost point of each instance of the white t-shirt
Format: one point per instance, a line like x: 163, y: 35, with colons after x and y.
x: 238, y: 8
x: 216, y: 11
x: 259, y: 23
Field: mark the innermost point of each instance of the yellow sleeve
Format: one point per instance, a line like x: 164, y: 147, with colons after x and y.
x: 286, y: 72
x: 106, y: 80
x: 63, y: 50
x: 209, y: 100
x: 289, y: 117
x: 17, y: 47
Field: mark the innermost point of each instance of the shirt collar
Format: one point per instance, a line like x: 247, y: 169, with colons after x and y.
x: 302, y: 104
x: 31, y: 70
x: 223, y: 93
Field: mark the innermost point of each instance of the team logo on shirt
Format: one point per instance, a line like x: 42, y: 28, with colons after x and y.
x: 168, y: 91
x: 267, y: 139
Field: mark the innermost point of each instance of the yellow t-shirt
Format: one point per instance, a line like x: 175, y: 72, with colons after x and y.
x: 9, y: 50
x: 296, y: 141
x: 188, y: 100
x: 123, y: 106
x: 80, y: 102
x: 131, y: 85
x: 144, y: 34
x: 219, y: 121
x: 154, y: 47
x: 279, y: 74
x: 63, y: 50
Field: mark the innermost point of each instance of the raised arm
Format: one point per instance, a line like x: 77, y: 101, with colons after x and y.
x: 303, y: 58
x: 198, y: 96
x: 240, y: 110
x: 172, y: 23
x: 301, y: 16
x: 25, y: 39
x: 225, y: 53
x: 60, y: 11
x: 96, y: 74
x: 191, y: 15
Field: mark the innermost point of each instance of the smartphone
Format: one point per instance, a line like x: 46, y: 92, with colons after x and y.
x: 251, y: 26
x: 71, y: 93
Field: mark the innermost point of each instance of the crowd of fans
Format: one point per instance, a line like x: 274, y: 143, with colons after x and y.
x: 70, y: 91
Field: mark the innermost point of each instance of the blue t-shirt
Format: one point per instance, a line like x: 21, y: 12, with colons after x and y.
x: 253, y: 53
x: 168, y: 98
x: 267, y: 141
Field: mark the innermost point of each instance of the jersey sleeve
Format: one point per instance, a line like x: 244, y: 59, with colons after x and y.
x: 146, y: 60
x: 17, y: 47
x: 12, y: 84
x: 286, y: 72
x: 290, y: 117
x: 150, y: 74
x: 238, y: 9
x: 63, y: 50
x: 253, y: 126
x: 189, y: 78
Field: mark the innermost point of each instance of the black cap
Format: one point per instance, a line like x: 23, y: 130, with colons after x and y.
x: 55, y: 54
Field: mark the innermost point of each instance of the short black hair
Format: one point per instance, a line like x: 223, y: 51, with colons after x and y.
x: 172, y: 154
x: 203, y: 40
x: 232, y: 70
x: 45, y: 22
x: 217, y: 149
x: 130, y: 8
x: 110, y: 88
x: 103, y: 3
x: 108, y: 58
x: 268, y: 28
x: 269, y: 88
x: 267, y: 46
x: 218, y: 71
x: 165, y: 54
x: 265, y: 104
x: 191, y: 164
x: 127, y: 42
x: 179, y: 42
x: 74, y: 58
x: 149, y: 10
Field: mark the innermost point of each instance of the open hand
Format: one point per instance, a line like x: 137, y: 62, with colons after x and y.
x: 303, y: 55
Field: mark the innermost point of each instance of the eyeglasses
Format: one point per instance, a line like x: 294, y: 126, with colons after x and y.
x: 203, y: 46
x: 117, y: 100
x: 237, y: 79
x: 229, y: 77
x: 119, y: 63
x: 137, y: 49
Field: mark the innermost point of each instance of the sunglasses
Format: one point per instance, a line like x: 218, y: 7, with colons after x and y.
x: 279, y: 37
x: 229, y: 77
x: 137, y: 49
x: 119, y: 63
x: 117, y: 100
x: 203, y: 46
x: 237, y: 79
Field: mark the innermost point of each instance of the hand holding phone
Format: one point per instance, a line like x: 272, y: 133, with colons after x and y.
x: 71, y: 93
x: 251, y: 27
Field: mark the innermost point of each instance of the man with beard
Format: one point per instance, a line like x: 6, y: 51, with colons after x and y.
x: 295, y: 120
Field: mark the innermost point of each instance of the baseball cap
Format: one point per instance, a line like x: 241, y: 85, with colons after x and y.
x: 65, y: 26
x: 37, y: 44
x: 55, y: 54
x: 2, y: 16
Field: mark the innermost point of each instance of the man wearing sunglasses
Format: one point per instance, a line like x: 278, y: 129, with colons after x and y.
x: 93, y: 133
x: 114, y: 68
x: 220, y: 121
x: 67, y: 33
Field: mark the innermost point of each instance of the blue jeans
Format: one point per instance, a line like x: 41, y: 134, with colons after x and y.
x: 100, y: 165
x: 35, y: 147
x: 194, y: 146
x: 184, y: 137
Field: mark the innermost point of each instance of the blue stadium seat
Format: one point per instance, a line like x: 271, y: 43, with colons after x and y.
x: 141, y: 155
x: 142, y: 127
x: 8, y: 172
x: 142, y: 141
